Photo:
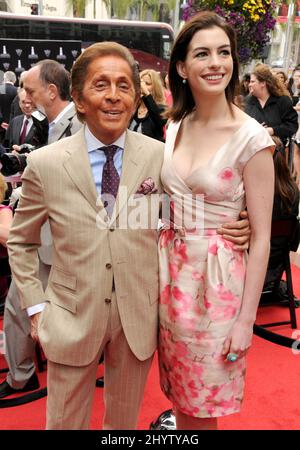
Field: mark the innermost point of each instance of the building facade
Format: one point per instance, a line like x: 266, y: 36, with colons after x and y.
x: 62, y: 8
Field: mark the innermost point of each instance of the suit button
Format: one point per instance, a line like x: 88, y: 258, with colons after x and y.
x: 107, y: 300
x: 108, y: 266
x: 111, y: 229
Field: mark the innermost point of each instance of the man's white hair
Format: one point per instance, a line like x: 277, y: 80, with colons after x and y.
x: 9, y: 77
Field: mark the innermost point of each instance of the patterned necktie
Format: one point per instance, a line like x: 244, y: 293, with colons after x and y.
x: 23, y: 133
x: 110, y: 179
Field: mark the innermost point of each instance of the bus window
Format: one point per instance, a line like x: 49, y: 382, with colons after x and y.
x: 150, y: 42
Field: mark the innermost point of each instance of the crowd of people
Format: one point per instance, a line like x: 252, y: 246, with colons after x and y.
x: 90, y: 278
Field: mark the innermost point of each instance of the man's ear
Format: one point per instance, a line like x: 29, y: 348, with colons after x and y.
x: 180, y: 66
x: 53, y: 91
x: 78, y: 103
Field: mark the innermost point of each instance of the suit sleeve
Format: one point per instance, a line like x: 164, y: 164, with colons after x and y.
x: 24, y: 237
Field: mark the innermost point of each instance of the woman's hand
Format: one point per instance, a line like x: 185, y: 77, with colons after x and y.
x: 144, y: 89
x: 239, y: 339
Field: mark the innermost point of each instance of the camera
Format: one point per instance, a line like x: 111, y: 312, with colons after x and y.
x: 13, y: 163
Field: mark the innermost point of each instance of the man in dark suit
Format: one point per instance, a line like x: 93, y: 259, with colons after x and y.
x: 7, y: 93
x: 15, y: 109
x: 21, y: 129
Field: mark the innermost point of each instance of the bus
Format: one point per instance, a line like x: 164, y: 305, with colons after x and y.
x: 26, y: 39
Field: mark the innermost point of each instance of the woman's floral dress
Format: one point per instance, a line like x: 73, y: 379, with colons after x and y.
x: 202, y: 277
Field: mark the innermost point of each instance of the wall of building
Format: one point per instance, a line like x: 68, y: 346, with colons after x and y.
x: 57, y: 8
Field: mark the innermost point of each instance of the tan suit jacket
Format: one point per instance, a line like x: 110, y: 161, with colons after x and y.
x: 89, y: 250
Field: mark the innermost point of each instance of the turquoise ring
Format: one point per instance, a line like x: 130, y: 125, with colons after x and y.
x: 232, y: 357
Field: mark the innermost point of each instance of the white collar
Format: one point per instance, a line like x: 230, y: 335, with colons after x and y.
x: 93, y: 143
x: 57, y: 118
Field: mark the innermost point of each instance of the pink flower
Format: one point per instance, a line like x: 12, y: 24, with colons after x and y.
x: 222, y: 313
x: 180, y: 249
x: 180, y: 349
x: 224, y: 294
x: 214, y: 391
x: 165, y: 295
x: 213, y: 249
x: 198, y: 276
x: 173, y: 313
x: 187, y: 299
x: 226, y: 174
x: 207, y: 304
x: 166, y: 236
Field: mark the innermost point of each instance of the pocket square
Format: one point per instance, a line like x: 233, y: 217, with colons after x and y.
x: 147, y: 187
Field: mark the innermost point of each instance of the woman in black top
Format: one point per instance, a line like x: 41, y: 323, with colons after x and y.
x: 285, y: 207
x: 148, y: 118
x: 270, y: 104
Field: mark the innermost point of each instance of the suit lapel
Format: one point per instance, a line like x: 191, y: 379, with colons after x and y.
x: 30, y: 134
x: 133, y: 163
x: 17, y: 130
x: 78, y: 167
x: 60, y: 127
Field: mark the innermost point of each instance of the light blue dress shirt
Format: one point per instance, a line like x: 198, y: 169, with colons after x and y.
x: 97, y: 157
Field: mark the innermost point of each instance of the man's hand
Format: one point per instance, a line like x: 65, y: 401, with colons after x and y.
x: 237, y: 232
x: 16, y: 148
x: 34, y: 326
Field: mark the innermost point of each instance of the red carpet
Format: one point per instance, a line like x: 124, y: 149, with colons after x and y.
x: 271, y: 396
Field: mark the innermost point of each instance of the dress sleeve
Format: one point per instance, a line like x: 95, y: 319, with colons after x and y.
x: 257, y: 139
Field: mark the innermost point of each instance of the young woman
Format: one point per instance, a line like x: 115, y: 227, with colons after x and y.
x: 216, y: 156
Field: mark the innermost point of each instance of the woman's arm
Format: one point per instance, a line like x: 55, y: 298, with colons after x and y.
x: 6, y: 218
x: 154, y: 111
x: 259, y: 188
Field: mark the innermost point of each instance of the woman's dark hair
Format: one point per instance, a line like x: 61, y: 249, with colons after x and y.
x: 285, y: 186
x: 183, y: 101
x: 244, y: 90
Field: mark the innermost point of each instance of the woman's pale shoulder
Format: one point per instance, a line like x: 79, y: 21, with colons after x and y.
x: 240, y: 116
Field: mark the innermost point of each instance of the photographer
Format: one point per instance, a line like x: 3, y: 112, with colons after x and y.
x: 13, y: 161
x: 47, y: 85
